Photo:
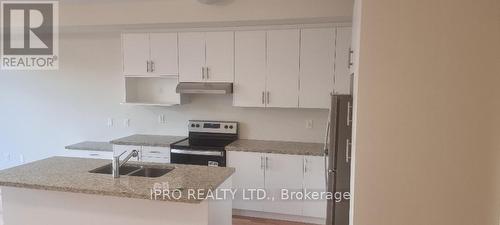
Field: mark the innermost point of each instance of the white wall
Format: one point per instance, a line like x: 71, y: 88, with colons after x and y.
x: 427, y: 126
x: 119, y: 12
x: 44, y: 111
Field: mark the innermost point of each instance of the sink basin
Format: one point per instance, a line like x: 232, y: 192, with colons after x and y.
x: 133, y: 170
x: 108, y: 169
x: 151, y: 172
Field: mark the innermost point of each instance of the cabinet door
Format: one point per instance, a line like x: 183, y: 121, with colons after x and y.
x: 314, y: 181
x: 250, y: 69
x: 164, y: 54
x: 342, y: 74
x: 317, y: 55
x: 191, y: 56
x: 283, y: 68
x: 283, y: 172
x: 119, y: 149
x: 220, y: 56
x: 249, y: 174
x: 155, y: 154
x: 135, y: 50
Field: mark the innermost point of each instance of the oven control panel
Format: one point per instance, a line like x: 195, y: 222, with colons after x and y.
x: 223, y: 127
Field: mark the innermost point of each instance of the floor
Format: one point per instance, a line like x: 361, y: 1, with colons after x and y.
x: 240, y: 220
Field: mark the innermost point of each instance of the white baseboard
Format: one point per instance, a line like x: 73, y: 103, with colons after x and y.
x: 275, y: 216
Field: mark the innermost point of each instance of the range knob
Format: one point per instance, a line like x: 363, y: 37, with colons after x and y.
x: 197, y: 125
x: 225, y: 127
x: 231, y: 127
x: 192, y: 125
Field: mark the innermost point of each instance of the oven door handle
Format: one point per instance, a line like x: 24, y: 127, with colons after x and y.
x: 191, y: 152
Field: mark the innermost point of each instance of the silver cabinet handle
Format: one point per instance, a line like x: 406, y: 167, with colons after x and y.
x: 349, y: 112
x: 155, y: 152
x: 152, y: 66
x: 267, y: 163
x: 263, y: 98
x: 94, y: 154
x: 268, y: 98
x: 203, y: 73
x: 207, y: 73
x: 262, y: 167
x: 305, y: 165
x: 349, y: 61
x: 147, y: 66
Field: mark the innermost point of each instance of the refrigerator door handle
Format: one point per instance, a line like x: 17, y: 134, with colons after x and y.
x: 348, y: 151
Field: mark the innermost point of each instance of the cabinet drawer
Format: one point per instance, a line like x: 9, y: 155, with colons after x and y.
x: 155, y: 152
x: 155, y: 159
x: 89, y: 154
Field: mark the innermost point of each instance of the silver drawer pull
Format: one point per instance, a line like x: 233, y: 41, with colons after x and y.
x: 94, y: 154
x: 191, y: 152
x: 155, y: 152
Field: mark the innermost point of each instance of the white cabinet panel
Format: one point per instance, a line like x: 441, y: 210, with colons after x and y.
x: 314, y: 181
x: 89, y: 154
x: 119, y: 149
x: 283, y: 68
x: 164, y: 53
x: 283, y: 172
x: 191, y: 56
x: 250, y: 69
x: 135, y: 54
x: 220, y: 56
x: 342, y: 74
x: 317, y: 57
x: 155, y: 154
x: 249, y: 174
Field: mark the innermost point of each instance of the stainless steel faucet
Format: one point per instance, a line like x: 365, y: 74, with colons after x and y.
x: 117, y: 164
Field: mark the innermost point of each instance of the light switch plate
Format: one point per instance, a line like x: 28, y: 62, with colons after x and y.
x: 309, y: 124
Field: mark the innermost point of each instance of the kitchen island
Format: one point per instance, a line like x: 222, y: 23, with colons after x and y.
x: 61, y: 190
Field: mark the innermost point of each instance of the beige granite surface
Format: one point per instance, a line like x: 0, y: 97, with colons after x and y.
x: 277, y: 147
x: 71, y: 175
x: 92, y: 146
x: 147, y: 140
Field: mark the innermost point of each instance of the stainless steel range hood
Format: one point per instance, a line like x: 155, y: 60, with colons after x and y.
x: 204, y: 88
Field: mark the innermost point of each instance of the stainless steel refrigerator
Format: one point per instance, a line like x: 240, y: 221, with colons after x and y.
x: 338, y: 157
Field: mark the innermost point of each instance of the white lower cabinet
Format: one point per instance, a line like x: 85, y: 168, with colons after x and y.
x: 314, y: 181
x: 89, y: 154
x: 283, y: 172
x: 155, y: 154
x: 274, y: 172
x: 249, y: 175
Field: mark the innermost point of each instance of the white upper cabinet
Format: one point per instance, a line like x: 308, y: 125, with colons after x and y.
x: 250, y: 69
x: 135, y: 47
x: 219, y: 56
x: 317, y: 56
x: 282, y: 68
x: 164, y: 51
x: 152, y: 54
x: 206, y: 57
x: 342, y: 74
x: 191, y: 57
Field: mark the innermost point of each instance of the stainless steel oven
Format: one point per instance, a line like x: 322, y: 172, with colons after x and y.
x: 205, y: 144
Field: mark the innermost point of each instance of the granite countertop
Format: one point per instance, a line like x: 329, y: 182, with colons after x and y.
x: 92, y: 146
x: 71, y: 175
x: 278, y: 147
x: 147, y: 140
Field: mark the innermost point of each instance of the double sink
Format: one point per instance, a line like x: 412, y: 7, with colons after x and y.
x: 134, y: 170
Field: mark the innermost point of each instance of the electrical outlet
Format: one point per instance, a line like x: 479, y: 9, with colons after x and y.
x: 110, y: 122
x: 126, y: 122
x: 162, y: 119
x: 309, y: 124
